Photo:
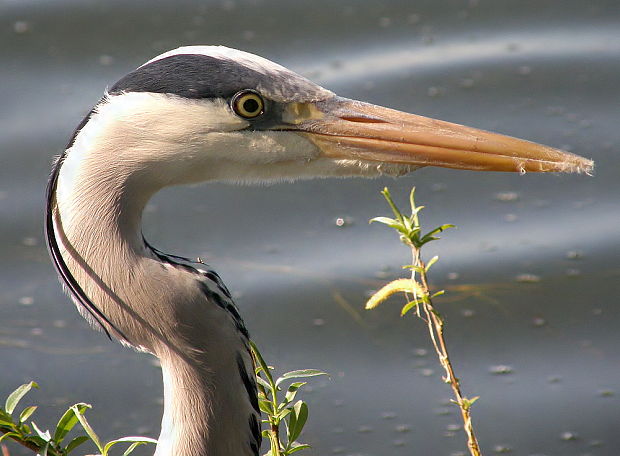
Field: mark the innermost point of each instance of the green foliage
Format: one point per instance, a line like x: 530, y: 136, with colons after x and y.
x: 467, y: 403
x: 409, y: 226
x: 54, y: 443
x: 410, y: 233
x: 293, y: 414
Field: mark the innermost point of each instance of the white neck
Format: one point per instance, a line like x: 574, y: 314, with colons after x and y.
x: 161, y: 308
x: 207, y: 411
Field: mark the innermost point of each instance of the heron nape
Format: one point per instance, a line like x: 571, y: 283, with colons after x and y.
x: 210, y: 113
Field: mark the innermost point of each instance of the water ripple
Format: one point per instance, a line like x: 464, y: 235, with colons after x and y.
x: 550, y: 44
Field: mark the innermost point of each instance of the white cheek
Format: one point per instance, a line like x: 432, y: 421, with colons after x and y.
x: 261, y: 147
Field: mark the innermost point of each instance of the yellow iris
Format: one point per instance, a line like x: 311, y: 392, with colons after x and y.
x: 248, y: 104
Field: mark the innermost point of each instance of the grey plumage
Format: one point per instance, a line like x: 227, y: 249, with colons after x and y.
x: 204, y: 76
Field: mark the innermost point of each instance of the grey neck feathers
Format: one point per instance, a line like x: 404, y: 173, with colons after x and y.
x: 209, y: 404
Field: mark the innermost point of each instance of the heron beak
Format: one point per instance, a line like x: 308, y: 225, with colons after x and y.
x: 349, y: 129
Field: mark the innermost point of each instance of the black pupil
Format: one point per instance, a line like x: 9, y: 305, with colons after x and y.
x: 251, y: 105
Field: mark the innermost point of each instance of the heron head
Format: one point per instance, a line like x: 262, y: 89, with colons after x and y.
x: 213, y: 113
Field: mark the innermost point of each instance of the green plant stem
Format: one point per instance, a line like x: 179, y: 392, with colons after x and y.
x: 274, y: 428
x: 435, y: 328
x: 274, y: 439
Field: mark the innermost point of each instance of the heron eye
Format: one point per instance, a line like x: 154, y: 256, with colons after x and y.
x: 248, y: 104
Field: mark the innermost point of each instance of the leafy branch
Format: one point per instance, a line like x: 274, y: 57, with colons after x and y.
x: 288, y: 411
x: 410, y: 233
x: 46, y: 443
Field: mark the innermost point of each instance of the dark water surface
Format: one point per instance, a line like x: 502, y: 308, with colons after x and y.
x: 547, y: 71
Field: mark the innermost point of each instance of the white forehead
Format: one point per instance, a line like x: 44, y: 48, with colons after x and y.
x: 252, y: 61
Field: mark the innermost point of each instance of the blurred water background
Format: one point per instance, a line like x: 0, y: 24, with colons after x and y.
x: 532, y: 272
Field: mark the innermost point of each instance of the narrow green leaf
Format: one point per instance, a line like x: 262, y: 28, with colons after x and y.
x: 408, y: 224
x: 415, y: 268
x: 438, y: 293
x: 467, y: 403
x: 444, y: 227
x: 44, y: 435
x: 300, y: 412
x: 410, y: 305
x: 385, y: 220
x: 414, y: 215
x: 262, y: 398
x: 292, y: 391
x: 76, y: 442
x: 136, y: 440
x: 283, y: 414
x: 296, y: 385
x: 15, y: 396
x: 261, y: 362
x: 263, y: 382
x: 301, y: 446
x: 412, y: 199
x: 38, y: 441
x: 302, y: 373
x: 107, y: 447
x: 291, y: 423
x: 266, y: 407
x: 9, y: 435
x: 409, y: 233
x: 430, y: 235
x: 395, y: 210
x: 87, y: 427
x: 431, y: 262
x: 5, y: 418
x: 26, y: 413
x: 132, y: 447
x: 67, y: 421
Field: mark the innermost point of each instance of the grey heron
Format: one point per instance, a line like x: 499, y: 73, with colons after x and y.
x: 209, y: 113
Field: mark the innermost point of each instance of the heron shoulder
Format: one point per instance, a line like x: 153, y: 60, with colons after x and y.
x: 208, y: 282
